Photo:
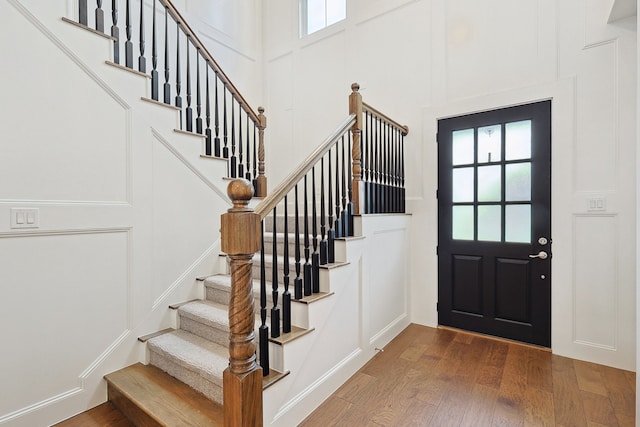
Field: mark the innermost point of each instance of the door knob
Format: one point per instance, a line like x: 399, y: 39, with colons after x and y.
x: 541, y: 255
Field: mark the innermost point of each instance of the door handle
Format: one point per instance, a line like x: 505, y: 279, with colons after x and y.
x: 541, y: 255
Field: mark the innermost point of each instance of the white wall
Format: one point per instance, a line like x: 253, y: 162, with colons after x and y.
x: 129, y: 212
x: 420, y: 60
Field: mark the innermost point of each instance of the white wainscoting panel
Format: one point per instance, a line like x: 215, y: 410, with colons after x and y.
x: 65, y: 301
x: 386, y: 275
x: 596, y: 290
x: 596, y: 153
x: 186, y: 217
x: 38, y: 151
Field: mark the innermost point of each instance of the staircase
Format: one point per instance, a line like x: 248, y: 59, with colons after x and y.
x: 328, y: 325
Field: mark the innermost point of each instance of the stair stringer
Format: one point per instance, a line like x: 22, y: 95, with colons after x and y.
x: 143, y: 299
x: 349, y: 325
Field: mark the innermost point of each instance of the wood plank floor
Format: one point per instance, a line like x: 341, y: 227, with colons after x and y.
x: 445, y: 378
x: 100, y: 416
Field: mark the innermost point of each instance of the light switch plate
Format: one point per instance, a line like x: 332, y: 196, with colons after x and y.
x: 25, y: 218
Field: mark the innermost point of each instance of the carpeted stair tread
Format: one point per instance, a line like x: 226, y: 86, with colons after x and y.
x: 207, y: 312
x: 192, y: 352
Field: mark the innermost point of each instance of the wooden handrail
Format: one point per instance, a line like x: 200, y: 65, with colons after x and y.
x: 267, y: 205
x: 209, y: 58
x: 370, y: 109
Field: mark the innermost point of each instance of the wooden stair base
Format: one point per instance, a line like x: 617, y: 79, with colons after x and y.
x: 150, y: 397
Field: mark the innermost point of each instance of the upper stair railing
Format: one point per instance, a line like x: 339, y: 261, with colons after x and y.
x: 180, y: 66
x: 358, y: 169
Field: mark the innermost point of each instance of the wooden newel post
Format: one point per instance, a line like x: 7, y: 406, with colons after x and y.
x: 242, y: 380
x: 355, y: 107
x: 261, y: 182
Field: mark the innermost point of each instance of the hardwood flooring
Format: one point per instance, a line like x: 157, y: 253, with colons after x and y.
x: 445, y: 378
x: 100, y: 416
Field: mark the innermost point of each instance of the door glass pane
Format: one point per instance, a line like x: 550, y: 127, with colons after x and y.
x: 517, y: 223
x: 489, y: 184
x: 490, y: 223
x: 463, y: 184
x: 517, y: 182
x: 489, y: 144
x: 463, y: 153
x: 463, y: 222
x: 518, y: 140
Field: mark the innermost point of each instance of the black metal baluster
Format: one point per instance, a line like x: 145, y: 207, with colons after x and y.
x: 275, y: 310
x: 189, y: 111
x: 198, y: 95
x: 240, y: 151
x: 324, y: 248
x: 331, y: 235
x: 378, y: 207
x: 264, y: 329
x: 402, y: 191
x: 388, y: 169
x: 178, y: 74
x: 367, y: 184
x: 344, y: 218
x: 128, y: 45
x: 396, y: 171
x: 167, y: 85
x: 297, y: 283
x: 234, y: 160
x: 225, y: 149
x: 315, y: 257
x: 286, y: 296
x: 154, y: 57
x: 392, y: 170
x: 248, y: 173
x: 363, y: 148
x: 142, y: 61
x: 338, y: 222
x: 99, y: 17
x: 307, y: 265
x: 216, y: 141
x: 83, y: 14
x: 208, y: 112
x: 115, y: 31
x: 383, y: 167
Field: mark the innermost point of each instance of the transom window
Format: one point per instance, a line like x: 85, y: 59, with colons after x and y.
x: 318, y: 14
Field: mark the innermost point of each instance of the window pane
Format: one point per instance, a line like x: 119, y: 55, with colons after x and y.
x: 463, y: 185
x: 518, y: 182
x: 518, y: 223
x: 336, y: 11
x: 315, y: 15
x: 489, y: 184
x: 462, y: 222
x: 490, y: 223
x: 462, y: 147
x: 489, y: 144
x: 518, y: 140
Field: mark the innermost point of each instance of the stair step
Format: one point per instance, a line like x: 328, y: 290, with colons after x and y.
x: 192, y: 359
x: 150, y: 397
x: 105, y: 415
x: 206, y: 319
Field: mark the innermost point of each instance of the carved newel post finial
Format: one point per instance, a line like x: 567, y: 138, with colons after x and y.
x: 242, y: 380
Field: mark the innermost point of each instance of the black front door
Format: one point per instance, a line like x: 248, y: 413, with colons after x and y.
x: 494, y: 222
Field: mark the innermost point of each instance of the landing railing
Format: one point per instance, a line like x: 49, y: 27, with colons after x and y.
x: 358, y: 169
x: 180, y: 66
